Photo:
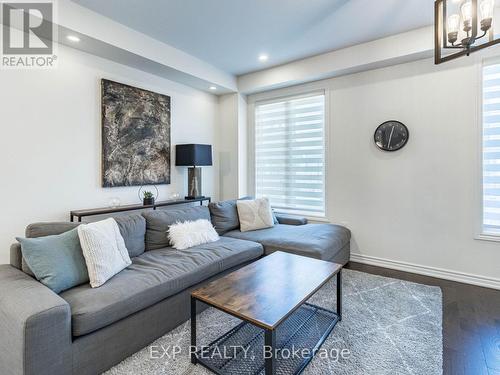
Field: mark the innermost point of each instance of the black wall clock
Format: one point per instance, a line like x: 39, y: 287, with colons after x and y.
x: 391, y: 136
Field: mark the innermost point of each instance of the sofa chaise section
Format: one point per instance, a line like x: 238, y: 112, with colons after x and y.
x: 321, y: 241
x: 290, y: 234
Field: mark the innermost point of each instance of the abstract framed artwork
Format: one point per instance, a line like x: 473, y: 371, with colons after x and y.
x: 135, y: 136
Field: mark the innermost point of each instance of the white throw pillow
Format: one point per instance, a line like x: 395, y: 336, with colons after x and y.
x: 255, y: 214
x: 191, y: 233
x: 103, y: 249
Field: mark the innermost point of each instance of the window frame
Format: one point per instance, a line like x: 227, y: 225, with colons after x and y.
x: 281, y: 95
x: 480, y: 234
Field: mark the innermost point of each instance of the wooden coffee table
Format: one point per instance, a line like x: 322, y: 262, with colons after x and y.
x: 269, y: 296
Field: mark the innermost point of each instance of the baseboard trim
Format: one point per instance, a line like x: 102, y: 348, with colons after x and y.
x: 487, y: 282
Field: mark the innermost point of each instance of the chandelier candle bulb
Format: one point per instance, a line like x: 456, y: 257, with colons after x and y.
x: 486, y: 7
x: 453, y: 26
x: 467, y: 16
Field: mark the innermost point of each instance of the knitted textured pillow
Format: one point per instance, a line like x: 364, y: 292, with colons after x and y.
x: 255, y: 214
x: 103, y: 249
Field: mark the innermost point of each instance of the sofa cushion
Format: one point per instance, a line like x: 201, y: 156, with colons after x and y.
x: 133, y: 231
x: 48, y: 229
x: 57, y: 260
x: 152, y: 277
x: 36, y: 230
x: 320, y: 241
x: 158, y: 221
x: 224, y: 216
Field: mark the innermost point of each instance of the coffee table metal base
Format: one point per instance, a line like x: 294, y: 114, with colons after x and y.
x: 246, y: 349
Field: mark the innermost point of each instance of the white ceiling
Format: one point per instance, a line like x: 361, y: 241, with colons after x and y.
x: 230, y: 34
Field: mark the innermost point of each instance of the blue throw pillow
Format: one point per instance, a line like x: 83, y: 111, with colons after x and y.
x: 56, y: 261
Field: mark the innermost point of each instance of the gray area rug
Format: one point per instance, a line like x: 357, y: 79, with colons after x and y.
x: 388, y: 326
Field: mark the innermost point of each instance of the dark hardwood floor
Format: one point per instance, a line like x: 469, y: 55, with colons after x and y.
x: 471, y: 322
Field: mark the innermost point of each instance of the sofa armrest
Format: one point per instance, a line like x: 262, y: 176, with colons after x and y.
x: 35, y: 326
x: 291, y: 220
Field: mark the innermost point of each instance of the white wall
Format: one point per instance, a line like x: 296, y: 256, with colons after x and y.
x: 232, y: 146
x: 50, y: 143
x: 227, y: 146
x: 418, y: 205
x: 242, y: 146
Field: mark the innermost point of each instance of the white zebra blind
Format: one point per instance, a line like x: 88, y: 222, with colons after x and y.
x: 491, y: 149
x: 290, y: 154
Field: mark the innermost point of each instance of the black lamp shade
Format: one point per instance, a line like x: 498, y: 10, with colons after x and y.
x: 193, y: 155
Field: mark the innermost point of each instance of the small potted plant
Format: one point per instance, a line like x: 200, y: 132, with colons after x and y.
x: 149, y: 198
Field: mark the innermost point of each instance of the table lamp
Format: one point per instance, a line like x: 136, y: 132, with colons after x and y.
x: 193, y: 156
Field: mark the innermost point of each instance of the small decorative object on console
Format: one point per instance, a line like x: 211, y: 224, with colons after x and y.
x: 148, y: 198
x: 114, y: 202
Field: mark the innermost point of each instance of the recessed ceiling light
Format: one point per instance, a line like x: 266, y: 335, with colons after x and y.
x: 73, y: 38
x: 213, y: 88
x: 263, y: 57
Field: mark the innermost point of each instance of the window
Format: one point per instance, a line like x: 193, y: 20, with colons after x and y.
x: 491, y: 150
x: 290, y: 154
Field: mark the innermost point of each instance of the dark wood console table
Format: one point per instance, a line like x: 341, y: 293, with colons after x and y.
x: 132, y: 207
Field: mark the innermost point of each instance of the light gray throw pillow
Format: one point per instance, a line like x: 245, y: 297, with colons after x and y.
x: 56, y: 261
x: 255, y: 214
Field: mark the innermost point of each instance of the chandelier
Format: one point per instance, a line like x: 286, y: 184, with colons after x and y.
x: 465, y: 26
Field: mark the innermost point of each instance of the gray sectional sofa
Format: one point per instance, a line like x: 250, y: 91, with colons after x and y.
x: 87, y: 331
